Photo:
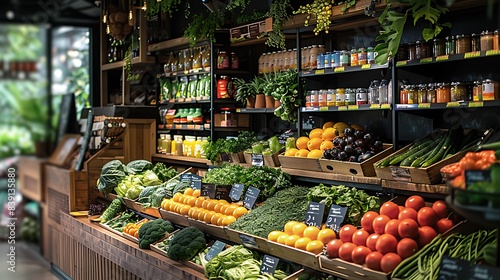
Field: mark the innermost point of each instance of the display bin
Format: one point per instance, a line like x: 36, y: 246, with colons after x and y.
x: 248, y: 240
x: 364, y: 168
x: 133, y: 238
x: 303, y: 163
x: 213, y: 230
x: 151, y: 211
x: 292, y: 254
x: 348, y: 270
x: 129, y: 203
x: 31, y: 178
x: 67, y: 190
x: 108, y: 228
x: 238, y: 157
x: 272, y: 160
x: 175, y: 218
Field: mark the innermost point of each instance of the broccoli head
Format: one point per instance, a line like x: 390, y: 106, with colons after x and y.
x: 186, y: 244
x: 153, y: 231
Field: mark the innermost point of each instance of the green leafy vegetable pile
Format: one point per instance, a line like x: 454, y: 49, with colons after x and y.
x: 121, y: 221
x: 112, y: 173
x: 153, y: 231
x: 357, y: 201
x: 186, y: 244
x: 274, y: 213
x: 113, y: 209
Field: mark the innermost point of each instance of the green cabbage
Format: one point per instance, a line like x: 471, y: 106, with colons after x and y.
x: 112, y: 173
x: 139, y: 166
x: 150, y: 179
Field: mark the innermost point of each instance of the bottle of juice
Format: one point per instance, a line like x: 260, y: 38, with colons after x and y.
x: 173, y: 148
x: 197, y: 147
x: 167, y: 145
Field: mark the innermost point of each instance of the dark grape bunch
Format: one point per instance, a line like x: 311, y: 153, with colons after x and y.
x: 96, y: 209
x: 355, y: 146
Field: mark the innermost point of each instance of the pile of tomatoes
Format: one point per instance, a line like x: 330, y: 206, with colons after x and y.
x: 395, y: 233
x: 471, y: 161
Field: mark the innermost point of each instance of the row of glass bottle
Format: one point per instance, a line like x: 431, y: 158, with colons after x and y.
x: 188, y: 60
x: 190, y: 146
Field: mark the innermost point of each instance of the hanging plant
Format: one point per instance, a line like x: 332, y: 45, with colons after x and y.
x: 277, y: 11
x: 165, y: 6
x: 321, y: 10
x: 202, y: 26
x: 392, y: 24
x: 128, y: 63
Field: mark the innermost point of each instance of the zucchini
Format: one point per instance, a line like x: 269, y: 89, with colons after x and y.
x: 399, y: 158
x: 418, y: 153
x: 440, y: 153
x: 490, y: 254
x: 490, y: 146
x: 418, y: 161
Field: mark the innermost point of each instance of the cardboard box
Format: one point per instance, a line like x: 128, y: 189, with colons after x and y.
x: 231, y: 120
x: 250, y: 31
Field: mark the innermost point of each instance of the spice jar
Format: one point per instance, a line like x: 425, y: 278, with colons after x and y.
x: 443, y: 93
x: 322, y: 99
x: 458, y: 91
x: 450, y: 45
x: 402, y: 52
x: 362, y: 56
x: 431, y: 93
x: 475, y: 42
x: 487, y: 40
x: 235, y: 61
x: 370, y: 55
x: 488, y: 90
x: 495, y: 40
x: 340, y: 97
x: 361, y: 96
x: 350, y: 96
x: 462, y: 44
x: 438, y: 48
x: 330, y: 97
x: 403, y: 95
x: 412, y: 94
x: 344, y: 58
x: 421, y: 50
x: 314, y: 98
x: 412, y: 51
x: 222, y: 60
x: 477, y: 91
x: 422, y: 93
x: 354, y: 57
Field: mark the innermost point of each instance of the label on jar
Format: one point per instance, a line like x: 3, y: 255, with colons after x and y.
x: 330, y: 99
x: 344, y: 60
x: 327, y: 60
x: 361, y: 98
x: 335, y: 57
x: 350, y: 98
x: 320, y: 61
x: 488, y: 91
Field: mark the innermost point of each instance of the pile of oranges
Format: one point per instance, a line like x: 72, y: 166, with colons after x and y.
x: 133, y: 228
x: 210, y: 211
x: 303, y: 237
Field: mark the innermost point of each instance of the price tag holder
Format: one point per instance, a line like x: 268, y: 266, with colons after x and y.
x: 186, y: 177
x: 452, y: 104
x: 374, y: 106
x: 236, y: 192
x: 342, y: 108
x: 335, y: 217
x: 319, y: 72
x: 269, y: 264
x: 366, y: 66
x: 442, y: 58
x: 195, y: 182
x: 481, y: 272
x: 424, y: 105
x: 214, y: 250
x: 426, y: 60
x: 250, y: 197
x: 323, y: 108
x: 451, y: 268
x: 314, y: 214
x: 473, y: 176
x: 339, y: 69
x: 492, y: 52
x: 222, y: 192
x: 257, y: 160
x: 248, y: 241
x: 385, y: 106
x: 353, y: 107
x: 401, y: 63
x: 476, y: 104
x: 208, y: 190
x: 472, y: 54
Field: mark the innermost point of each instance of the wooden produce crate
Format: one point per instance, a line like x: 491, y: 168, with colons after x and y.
x: 129, y: 203
x: 238, y: 157
x: 119, y: 233
x: 213, y: 230
x: 292, y: 254
x: 31, y: 178
x: 271, y: 160
x: 302, y: 163
x: 175, y: 218
x: 349, y: 270
x: 364, y: 168
x: 248, y: 240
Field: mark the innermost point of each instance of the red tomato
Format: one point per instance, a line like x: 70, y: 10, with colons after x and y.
x: 426, y: 216
x: 346, y: 233
x: 345, y: 251
x: 392, y: 227
x: 359, y: 254
x: 407, y: 247
x: 408, y: 213
x: 444, y: 225
x: 441, y: 209
x: 372, y: 240
x: 332, y: 248
x: 389, y: 262
x: 359, y: 237
x: 379, y: 223
x: 386, y: 243
x: 401, y: 207
x: 459, y: 182
x: 425, y: 235
x: 373, y: 259
x: 367, y: 220
x: 415, y: 201
x: 390, y: 209
x: 467, y: 163
x: 408, y: 228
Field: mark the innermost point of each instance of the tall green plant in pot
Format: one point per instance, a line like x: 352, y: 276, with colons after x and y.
x: 257, y: 85
x: 245, y: 92
x: 268, y: 88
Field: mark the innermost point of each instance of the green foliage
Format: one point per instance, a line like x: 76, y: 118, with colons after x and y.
x: 203, y: 26
x: 253, y: 17
x: 283, y: 86
x: 164, y: 173
x: 112, y: 173
x: 113, y: 209
x: 186, y: 244
x: 278, y: 12
x: 139, y: 166
x: 165, y: 6
x: 321, y: 10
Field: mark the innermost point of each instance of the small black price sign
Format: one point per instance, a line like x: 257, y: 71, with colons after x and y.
x: 452, y: 268
x: 335, y: 217
x: 186, y: 177
x: 195, y: 182
x: 484, y: 272
x: 257, y: 160
x: 222, y: 192
x: 236, y: 192
x: 250, y: 197
x: 269, y: 264
x: 473, y: 176
x: 248, y: 241
x: 214, y: 250
x: 314, y: 214
x: 208, y: 190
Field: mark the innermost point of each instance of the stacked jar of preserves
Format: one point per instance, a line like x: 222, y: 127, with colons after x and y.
x: 449, y: 92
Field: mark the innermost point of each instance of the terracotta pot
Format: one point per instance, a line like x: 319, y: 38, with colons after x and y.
x: 269, y: 101
x: 250, y: 102
x: 277, y: 103
x: 260, y: 101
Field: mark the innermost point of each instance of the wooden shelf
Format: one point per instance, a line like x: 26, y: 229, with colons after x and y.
x: 173, y: 44
x: 142, y: 60
x: 362, y: 107
x: 183, y: 158
x: 413, y: 187
x: 113, y: 65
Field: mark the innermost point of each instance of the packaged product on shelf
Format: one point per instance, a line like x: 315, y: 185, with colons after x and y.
x: 487, y: 38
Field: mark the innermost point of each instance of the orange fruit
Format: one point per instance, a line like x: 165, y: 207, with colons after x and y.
x: 315, y: 247
x: 199, y: 202
x: 282, y: 238
x: 201, y: 214
x: 299, y: 228
x: 301, y: 243
x: 289, y: 227
x: 177, y: 196
x: 184, y: 210
x: 327, y: 125
x: 205, y: 203
x: 316, y: 133
x: 165, y: 204
x: 228, y: 220
x: 290, y: 241
x: 230, y: 209
x: 273, y: 235
x: 192, y: 211
x: 326, y: 144
x: 223, y: 201
x: 291, y: 152
x: 217, y: 207
x: 211, y: 205
x: 188, y: 191
x: 302, y: 153
x: 239, y: 211
x: 301, y: 142
x: 196, y: 193
x: 223, y: 208
x: 220, y: 220
x: 339, y: 128
x: 314, y: 143
x: 315, y: 154
x: 328, y: 134
x: 215, y: 218
x: 311, y: 232
x: 326, y: 235
x: 208, y: 216
x: 191, y: 201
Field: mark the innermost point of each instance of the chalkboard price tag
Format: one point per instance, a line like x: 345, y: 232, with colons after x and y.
x: 195, y: 182
x: 214, y: 250
x: 269, y: 264
x: 222, y: 192
x: 186, y: 177
x: 484, y: 272
x: 335, y: 217
x: 314, y: 214
x: 455, y: 269
x: 257, y: 160
x: 473, y: 176
x: 248, y: 241
x: 236, y: 192
x: 250, y: 197
x: 208, y: 190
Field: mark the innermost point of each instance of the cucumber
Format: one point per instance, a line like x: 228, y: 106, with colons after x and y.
x: 418, y: 153
x: 418, y: 161
x: 490, y: 146
x: 399, y: 158
x: 490, y: 254
x: 452, y: 133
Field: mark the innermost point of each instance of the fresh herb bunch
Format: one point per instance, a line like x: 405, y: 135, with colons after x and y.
x: 202, y: 26
x: 213, y: 150
x: 278, y: 11
x: 321, y: 10
x: 244, y: 90
x: 283, y: 86
x: 226, y: 174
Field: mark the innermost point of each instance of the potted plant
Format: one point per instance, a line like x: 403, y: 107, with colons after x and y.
x: 244, y: 92
x: 257, y: 85
x: 285, y: 89
x: 268, y: 88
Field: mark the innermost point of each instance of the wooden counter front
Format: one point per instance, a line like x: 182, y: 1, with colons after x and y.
x: 84, y: 250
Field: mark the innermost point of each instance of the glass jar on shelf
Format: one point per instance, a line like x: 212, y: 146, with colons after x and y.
x: 330, y: 97
x: 412, y: 51
x: 344, y: 58
x: 431, y: 93
x: 354, y: 57
x: 462, y: 44
x: 439, y: 47
x: 477, y: 91
x: 487, y: 38
x: 443, y: 93
x: 222, y: 60
x: 458, y: 91
x: 412, y: 94
x: 314, y: 98
x: 403, y: 94
x: 422, y: 93
x: 488, y: 90
x: 340, y: 97
x: 421, y: 50
x: 205, y: 56
x: 450, y: 45
x: 402, y: 52
x: 495, y: 40
x: 308, y: 98
x: 361, y: 96
x: 373, y: 92
x: 322, y: 99
x: 370, y: 55
x: 235, y: 61
x: 475, y: 41
x: 350, y: 96
x: 362, y: 56
x: 327, y: 60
